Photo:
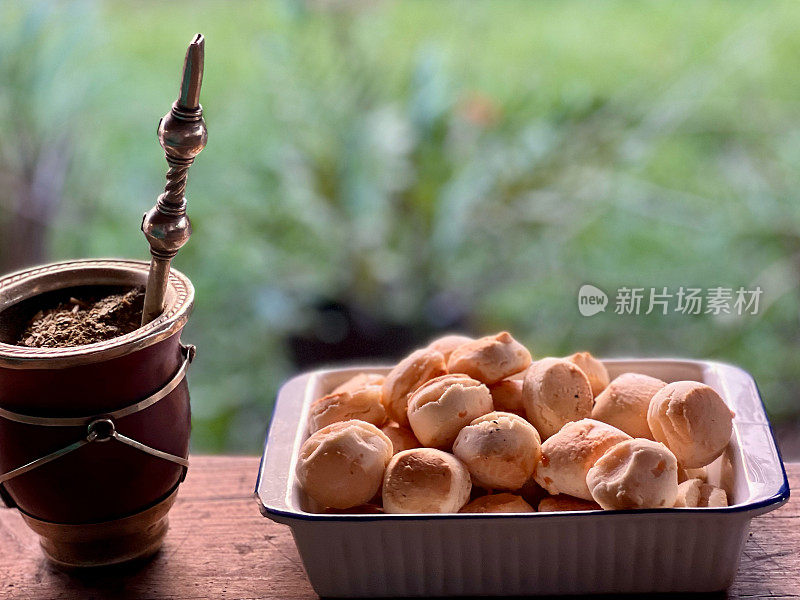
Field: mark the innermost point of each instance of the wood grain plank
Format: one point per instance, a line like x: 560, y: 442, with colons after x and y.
x: 219, y: 546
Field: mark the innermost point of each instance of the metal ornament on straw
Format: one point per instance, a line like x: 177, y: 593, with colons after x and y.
x: 182, y: 133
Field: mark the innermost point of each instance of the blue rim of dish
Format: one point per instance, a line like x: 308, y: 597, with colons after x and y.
x: 778, y: 498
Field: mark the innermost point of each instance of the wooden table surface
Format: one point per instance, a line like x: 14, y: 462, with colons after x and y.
x: 219, y: 546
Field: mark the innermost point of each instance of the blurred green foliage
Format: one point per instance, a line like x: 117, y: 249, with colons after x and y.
x: 418, y: 159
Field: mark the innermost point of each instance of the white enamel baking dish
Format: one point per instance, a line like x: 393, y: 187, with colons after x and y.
x: 645, y: 551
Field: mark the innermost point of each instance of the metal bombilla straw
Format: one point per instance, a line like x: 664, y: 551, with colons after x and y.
x: 182, y: 133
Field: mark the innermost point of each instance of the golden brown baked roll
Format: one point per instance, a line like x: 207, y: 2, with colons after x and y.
x: 490, y: 359
x: 555, y: 392
x: 568, y: 455
x: 636, y: 473
x: 712, y: 497
x: 402, y: 437
x: 410, y: 373
x: 594, y: 370
x: 625, y: 401
x: 425, y: 480
x: 500, y: 450
x: 363, y: 404
x: 692, y: 420
x: 342, y: 465
x: 438, y: 410
x: 507, y: 396
x: 360, y: 381
x: 695, y: 493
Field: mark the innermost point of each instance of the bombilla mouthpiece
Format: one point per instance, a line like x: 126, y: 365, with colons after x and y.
x: 192, y: 80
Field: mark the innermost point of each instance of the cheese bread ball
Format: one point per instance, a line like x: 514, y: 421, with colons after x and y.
x: 688, y: 493
x: 490, y: 359
x: 410, y: 373
x: 568, y: 455
x: 594, y: 370
x: 500, y: 450
x: 555, y: 392
x: 363, y: 404
x: 360, y: 381
x: 687, y: 474
x: 438, y: 410
x: 636, y: 473
x: 507, y: 396
x: 712, y: 496
x: 625, y: 401
x: 498, y: 503
x: 563, y: 502
x: 425, y: 480
x: 402, y: 437
x: 692, y: 420
x: 694, y: 493
x: 448, y: 343
x: 342, y: 465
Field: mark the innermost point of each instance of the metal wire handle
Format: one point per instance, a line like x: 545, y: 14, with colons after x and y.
x: 101, y: 428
